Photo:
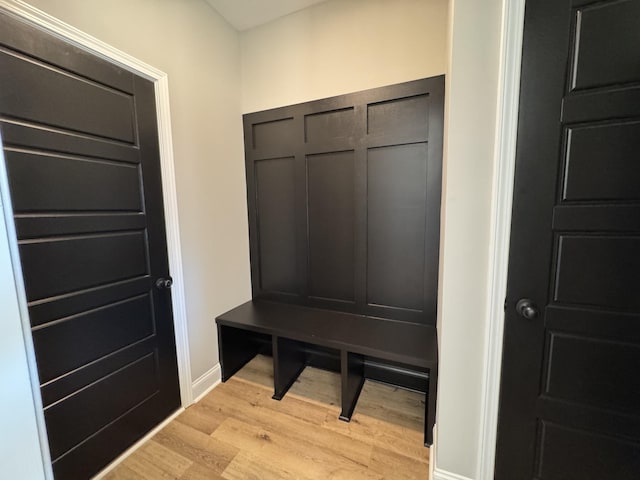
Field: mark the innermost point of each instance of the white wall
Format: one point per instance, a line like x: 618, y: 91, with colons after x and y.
x: 200, y: 53
x: 20, y: 455
x: 472, y: 95
x: 349, y: 45
x: 342, y: 46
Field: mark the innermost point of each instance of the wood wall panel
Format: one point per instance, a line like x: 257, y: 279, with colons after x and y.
x: 322, y: 127
x: 396, y: 216
x: 344, y: 201
x: 331, y: 226
x: 404, y: 117
x: 274, y: 138
x: 276, y: 206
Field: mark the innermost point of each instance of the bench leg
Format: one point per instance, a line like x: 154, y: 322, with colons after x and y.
x: 352, y: 373
x: 288, y: 362
x: 235, y: 350
x: 430, y: 405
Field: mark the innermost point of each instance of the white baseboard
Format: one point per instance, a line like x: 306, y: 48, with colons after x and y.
x: 206, y: 382
x: 444, y: 475
x: 432, y: 453
x: 106, y: 470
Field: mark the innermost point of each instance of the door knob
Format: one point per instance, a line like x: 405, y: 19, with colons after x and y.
x: 527, y: 309
x: 164, y: 283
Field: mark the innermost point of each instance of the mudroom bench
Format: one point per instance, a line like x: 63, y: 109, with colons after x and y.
x: 343, y: 203
x: 358, y: 346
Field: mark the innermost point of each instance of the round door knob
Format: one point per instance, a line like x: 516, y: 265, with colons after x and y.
x: 164, y: 283
x: 527, y: 309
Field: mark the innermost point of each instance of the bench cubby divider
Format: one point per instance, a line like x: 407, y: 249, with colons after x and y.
x: 352, y: 380
x: 289, y: 359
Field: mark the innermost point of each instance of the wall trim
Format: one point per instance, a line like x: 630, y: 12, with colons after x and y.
x: 444, y: 475
x: 432, y: 453
x: 502, y: 201
x: 206, y: 382
x: 132, y: 449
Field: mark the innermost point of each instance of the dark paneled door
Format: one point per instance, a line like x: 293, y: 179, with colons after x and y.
x: 570, y: 398
x: 81, y: 150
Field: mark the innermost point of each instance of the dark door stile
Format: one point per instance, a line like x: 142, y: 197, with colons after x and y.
x: 570, y: 389
x: 81, y: 152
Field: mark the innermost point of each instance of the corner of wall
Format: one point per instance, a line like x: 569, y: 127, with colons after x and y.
x: 206, y: 382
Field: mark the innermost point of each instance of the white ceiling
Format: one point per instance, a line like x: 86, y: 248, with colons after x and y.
x: 246, y: 14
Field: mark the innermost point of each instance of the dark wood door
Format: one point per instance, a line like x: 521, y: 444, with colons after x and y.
x: 81, y: 151
x: 570, y: 397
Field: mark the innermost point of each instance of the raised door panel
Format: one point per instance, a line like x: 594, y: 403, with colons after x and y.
x: 604, y: 32
x: 601, y: 162
x: 575, y: 453
x: 100, y: 331
x: 53, y: 183
x: 82, y: 262
x: 70, y: 101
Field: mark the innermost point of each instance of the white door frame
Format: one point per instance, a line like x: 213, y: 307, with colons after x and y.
x: 506, y: 129
x: 43, y: 21
x: 502, y: 201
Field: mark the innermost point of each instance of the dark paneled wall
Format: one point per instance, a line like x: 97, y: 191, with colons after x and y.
x: 344, y: 201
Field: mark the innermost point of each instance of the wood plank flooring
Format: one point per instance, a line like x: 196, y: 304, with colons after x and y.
x: 238, y: 432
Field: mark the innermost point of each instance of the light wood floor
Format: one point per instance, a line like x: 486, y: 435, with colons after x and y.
x: 238, y: 432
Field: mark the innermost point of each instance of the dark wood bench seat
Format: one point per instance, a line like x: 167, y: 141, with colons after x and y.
x: 287, y: 330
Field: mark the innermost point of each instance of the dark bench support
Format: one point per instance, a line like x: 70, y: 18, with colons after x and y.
x: 430, y: 406
x: 288, y: 362
x: 352, y: 376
